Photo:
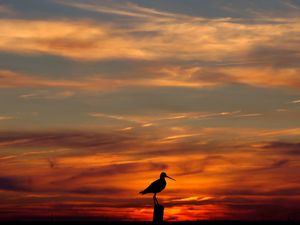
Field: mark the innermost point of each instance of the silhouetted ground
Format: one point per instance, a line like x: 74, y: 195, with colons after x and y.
x: 148, y: 223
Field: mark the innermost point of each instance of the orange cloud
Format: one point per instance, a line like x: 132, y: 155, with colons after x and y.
x: 102, y: 172
x: 48, y: 95
x: 240, y: 53
x: 78, y: 40
x: 259, y: 76
x: 5, y: 117
x: 266, y: 77
x: 89, y: 83
x: 217, y: 39
x: 177, y: 78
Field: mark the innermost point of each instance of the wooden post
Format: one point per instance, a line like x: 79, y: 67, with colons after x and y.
x: 158, y: 214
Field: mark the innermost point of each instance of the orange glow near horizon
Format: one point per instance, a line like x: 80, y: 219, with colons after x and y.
x: 97, y: 185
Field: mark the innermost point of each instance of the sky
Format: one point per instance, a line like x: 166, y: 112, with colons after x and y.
x: 97, y: 98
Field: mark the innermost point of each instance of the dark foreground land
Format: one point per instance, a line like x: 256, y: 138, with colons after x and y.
x: 149, y: 223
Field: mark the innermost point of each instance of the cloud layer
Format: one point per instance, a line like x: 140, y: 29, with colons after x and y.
x: 105, y: 170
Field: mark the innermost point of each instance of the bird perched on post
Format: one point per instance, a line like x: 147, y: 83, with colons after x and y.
x: 157, y: 186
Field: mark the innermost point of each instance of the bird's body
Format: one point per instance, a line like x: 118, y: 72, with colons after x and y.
x: 156, y: 186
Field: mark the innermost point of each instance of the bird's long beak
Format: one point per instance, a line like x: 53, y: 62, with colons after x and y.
x: 170, y: 178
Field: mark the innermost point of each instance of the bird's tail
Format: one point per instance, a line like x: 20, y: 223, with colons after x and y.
x: 142, y: 192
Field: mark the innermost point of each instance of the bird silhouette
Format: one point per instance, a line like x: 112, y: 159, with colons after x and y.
x: 157, y: 186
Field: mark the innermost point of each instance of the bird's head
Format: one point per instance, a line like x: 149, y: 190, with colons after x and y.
x: 163, y: 175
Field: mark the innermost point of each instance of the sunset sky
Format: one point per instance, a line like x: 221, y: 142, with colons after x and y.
x: 98, y: 97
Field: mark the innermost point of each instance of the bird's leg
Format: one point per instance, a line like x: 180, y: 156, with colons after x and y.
x: 155, y: 199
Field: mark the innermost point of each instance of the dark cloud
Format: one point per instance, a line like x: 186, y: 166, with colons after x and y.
x: 88, y: 143
x: 293, y: 191
x: 212, y: 75
x: 117, y: 169
x: 272, y: 208
x: 198, y: 166
x: 235, y: 191
x: 100, y: 191
x: 276, y: 56
x: 64, y: 139
x: 277, y: 164
x: 14, y: 184
x: 212, y: 149
x: 280, y: 163
x: 52, y: 163
x: 292, y: 148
